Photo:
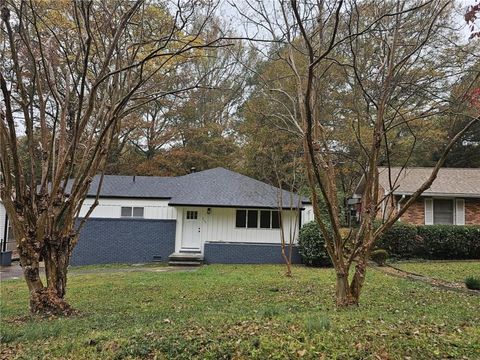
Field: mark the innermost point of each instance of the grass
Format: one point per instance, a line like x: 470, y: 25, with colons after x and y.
x: 446, y: 270
x: 242, y: 312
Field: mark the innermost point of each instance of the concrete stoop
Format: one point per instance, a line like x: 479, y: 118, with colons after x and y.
x: 185, y: 259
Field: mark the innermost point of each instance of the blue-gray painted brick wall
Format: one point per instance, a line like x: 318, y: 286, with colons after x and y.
x: 246, y: 253
x: 104, y: 241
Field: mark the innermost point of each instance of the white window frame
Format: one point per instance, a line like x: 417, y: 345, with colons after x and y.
x: 456, y: 202
x: 131, y: 216
x: 258, y: 219
x: 191, y: 215
x: 459, y: 216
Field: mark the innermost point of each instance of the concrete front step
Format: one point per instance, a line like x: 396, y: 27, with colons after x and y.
x: 185, y: 263
x: 185, y: 259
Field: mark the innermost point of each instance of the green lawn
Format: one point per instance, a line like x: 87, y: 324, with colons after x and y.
x: 243, y: 312
x: 446, y: 270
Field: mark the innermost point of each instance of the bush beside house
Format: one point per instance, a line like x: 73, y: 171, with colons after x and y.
x: 311, y: 246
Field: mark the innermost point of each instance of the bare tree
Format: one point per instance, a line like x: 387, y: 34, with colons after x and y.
x: 288, y: 228
x: 68, y: 77
x: 471, y: 17
x: 383, y: 50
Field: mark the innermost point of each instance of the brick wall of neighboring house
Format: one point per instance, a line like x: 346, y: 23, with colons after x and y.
x: 415, y: 214
x: 472, y: 211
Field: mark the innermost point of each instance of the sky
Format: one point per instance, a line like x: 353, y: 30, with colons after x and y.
x: 229, y: 12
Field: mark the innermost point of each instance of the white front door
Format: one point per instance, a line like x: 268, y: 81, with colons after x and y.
x: 192, y: 221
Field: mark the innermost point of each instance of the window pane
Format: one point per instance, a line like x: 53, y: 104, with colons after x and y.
x: 126, y: 211
x: 241, y: 218
x: 138, y: 211
x: 192, y: 215
x: 265, y: 219
x: 252, y: 219
x: 443, y: 211
x: 275, y: 219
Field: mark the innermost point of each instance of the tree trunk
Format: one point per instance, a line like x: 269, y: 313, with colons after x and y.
x: 358, y: 278
x: 29, y: 260
x: 47, y: 300
x: 56, y: 263
x: 344, y: 296
x: 288, y: 262
x: 348, y: 294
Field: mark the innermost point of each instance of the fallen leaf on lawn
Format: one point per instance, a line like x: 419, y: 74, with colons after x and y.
x: 301, y: 352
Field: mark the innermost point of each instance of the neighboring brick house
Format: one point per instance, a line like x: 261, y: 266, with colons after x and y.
x: 453, y: 198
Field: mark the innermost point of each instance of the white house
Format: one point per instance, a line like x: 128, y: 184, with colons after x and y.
x: 214, y: 215
x: 6, y: 240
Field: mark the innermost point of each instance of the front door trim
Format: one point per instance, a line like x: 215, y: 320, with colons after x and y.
x: 191, y: 230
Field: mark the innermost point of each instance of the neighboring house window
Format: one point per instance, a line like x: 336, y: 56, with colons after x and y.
x: 443, y: 212
x: 192, y: 215
x: 254, y: 219
x: 129, y: 211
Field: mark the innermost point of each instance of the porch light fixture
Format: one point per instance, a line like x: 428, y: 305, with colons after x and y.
x: 209, y: 211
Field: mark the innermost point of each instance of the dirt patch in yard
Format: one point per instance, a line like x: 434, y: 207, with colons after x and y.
x: 443, y: 284
x: 15, y: 271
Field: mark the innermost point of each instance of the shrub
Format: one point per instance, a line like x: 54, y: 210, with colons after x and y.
x: 436, y: 242
x: 311, y: 246
x: 379, y: 256
x: 400, y: 241
x: 472, y: 283
x: 450, y: 241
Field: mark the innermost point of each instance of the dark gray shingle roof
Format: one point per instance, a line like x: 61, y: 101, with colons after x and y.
x: 214, y: 187
x: 134, y: 187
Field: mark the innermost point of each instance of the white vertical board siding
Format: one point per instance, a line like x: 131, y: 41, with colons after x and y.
x: 111, y: 208
x: 428, y: 211
x: 219, y: 226
x: 3, y: 214
x: 459, y: 212
x: 307, y: 214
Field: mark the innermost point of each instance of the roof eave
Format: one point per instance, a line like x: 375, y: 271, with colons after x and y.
x: 437, y: 194
x: 129, y: 197
x: 236, y: 206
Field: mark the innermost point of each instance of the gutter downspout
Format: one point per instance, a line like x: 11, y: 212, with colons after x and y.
x: 399, y: 203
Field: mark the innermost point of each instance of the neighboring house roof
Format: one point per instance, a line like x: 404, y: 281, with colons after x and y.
x: 449, y: 182
x: 214, y: 187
